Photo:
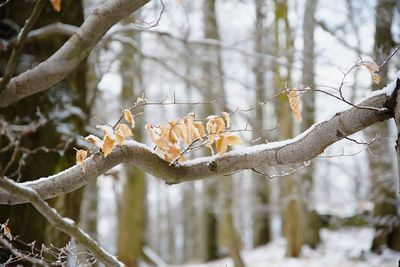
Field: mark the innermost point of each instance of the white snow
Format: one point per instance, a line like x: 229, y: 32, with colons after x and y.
x: 347, y: 247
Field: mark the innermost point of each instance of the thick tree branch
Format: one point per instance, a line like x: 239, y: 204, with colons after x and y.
x: 304, y: 147
x: 68, y: 57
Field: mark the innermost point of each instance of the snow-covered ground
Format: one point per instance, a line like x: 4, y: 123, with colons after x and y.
x: 347, y: 247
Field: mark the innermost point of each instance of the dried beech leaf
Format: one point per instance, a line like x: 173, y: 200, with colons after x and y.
x: 200, y: 128
x: 373, y: 69
x: 233, y: 140
x: 119, y: 136
x: 173, y: 152
x: 80, y: 158
x: 108, y: 145
x: 371, y: 66
x: 221, y: 144
x: 93, y: 140
x: 155, y: 137
x: 56, y: 4
x: 129, y: 117
x: 127, y: 132
x: 376, y: 78
x: 227, y: 119
x: 215, y: 124
x: 7, y: 232
x: 294, y: 104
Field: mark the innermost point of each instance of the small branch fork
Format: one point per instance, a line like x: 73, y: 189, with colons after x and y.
x: 12, y: 61
x: 65, y: 225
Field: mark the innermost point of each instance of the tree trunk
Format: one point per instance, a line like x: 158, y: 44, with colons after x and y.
x: 262, y: 216
x: 132, y: 211
x: 67, y: 95
x: 381, y: 166
x: 312, y: 223
x: 292, y: 214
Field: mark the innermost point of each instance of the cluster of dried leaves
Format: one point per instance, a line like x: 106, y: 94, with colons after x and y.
x: 170, y: 138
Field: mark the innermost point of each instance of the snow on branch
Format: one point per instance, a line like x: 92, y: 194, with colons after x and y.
x: 302, y: 148
x: 68, y: 57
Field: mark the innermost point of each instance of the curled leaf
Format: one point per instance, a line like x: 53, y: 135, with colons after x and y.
x: 227, y: 119
x: 108, y: 145
x: 200, y: 128
x: 7, y: 232
x: 221, y: 144
x: 294, y: 104
x: 215, y: 125
x: 119, y: 137
x: 129, y: 117
x: 126, y: 131
x: 373, y: 69
x: 80, y: 158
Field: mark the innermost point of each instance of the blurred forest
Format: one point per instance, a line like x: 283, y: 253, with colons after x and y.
x: 207, y: 57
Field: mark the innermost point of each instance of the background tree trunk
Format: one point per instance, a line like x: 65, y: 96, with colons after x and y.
x: 132, y: 209
x: 381, y: 166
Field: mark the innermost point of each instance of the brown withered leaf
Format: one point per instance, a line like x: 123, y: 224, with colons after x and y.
x: 200, y: 128
x: 80, y: 158
x: 155, y: 136
x: 108, y: 145
x: 373, y: 69
x: 7, y: 232
x: 227, y: 119
x: 93, y: 140
x: 215, y: 125
x: 221, y: 144
x: 119, y: 136
x: 56, y: 4
x: 126, y: 131
x: 294, y: 104
x: 129, y: 117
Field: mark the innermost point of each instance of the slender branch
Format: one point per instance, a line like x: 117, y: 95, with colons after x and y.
x: 12, y: 61
x: 302, y: 148
x: 65, y: 225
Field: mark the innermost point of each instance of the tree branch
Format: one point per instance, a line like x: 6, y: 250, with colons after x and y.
x: 302, y: 148
x: 68, y: 57
x: 65, y: 225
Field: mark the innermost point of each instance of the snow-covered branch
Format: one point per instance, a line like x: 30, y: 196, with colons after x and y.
x: 68, y: 57
x: 302, y: 148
